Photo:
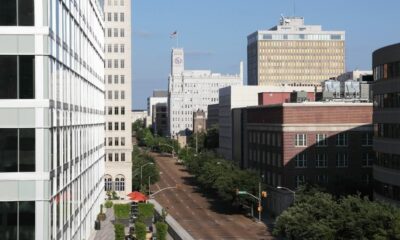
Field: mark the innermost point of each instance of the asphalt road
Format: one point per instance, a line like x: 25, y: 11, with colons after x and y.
x: 202, y: 216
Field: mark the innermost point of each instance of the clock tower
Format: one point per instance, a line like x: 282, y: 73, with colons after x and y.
x: 177, y: 61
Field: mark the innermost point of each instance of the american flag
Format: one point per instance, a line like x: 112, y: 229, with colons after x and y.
x: 172, y: 35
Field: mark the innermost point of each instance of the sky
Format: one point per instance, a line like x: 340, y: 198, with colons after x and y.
x: 214, y: 33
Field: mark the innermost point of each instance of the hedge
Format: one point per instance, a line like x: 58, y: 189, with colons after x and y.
x: 145, y: 211
x: 122, y: 211
x: 108, y: 204
x: 119, y: 230
x: 140, y: 231
x: 161, y: 230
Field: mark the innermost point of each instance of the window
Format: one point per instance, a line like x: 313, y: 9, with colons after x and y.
x: 300, y: 140
x: 122, y: 17
x: 122, y: 141
x: 108, y: 184
x: 17, y: 150
x: 322, y: 178
x: 122, y: 79
x: 122, y: 126
x: 122, y: 157
x: 367, y: 139
x: 17, y: 219
x: 109, y: 63
x: 116, y: 79
x: 109, y: 79
x: 122, y: 48
x: 115, y: 17
x: 342, y: 160
x: 116, y: 126
x: 10, y: 15
x: 122, y: 110
x: 122, y: 3
x: 109, y: 93
x: 116, y: 110
x: 109, y: 110
x: 301, y: 160
x: 110, y: 141
x: 341, y: 139
x: 299, y: 180
x: 110, y: 157
x: 110, y: 126
x: 115, y: 63
x: 122, y: 32
x: 116, y: 48
x: 116, y: 157
x: 13, y: 77
x: 122, y: 63
x: 321, y: 160
x: 116, y: 141
x: 116, y: 95
x: 115, y: 32
x: 321, y: 140
x: 109, y: 16
x: 119, y: 183
x: 109, y: 48
x: 367, y: 159
x: 109, y: 32
x: 122, y: 94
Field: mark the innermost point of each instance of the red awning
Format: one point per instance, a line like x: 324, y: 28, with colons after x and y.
x: 137, y: 196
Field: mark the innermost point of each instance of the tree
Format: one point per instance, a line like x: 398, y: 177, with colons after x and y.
x: 139, y: 159
x: 162, y: 229
x: 140, y: 231
x: 119, y: 230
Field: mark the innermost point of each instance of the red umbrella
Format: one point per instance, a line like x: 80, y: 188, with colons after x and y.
x: 137, y: 196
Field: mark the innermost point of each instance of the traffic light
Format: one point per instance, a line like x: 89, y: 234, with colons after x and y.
x: 264, y: 194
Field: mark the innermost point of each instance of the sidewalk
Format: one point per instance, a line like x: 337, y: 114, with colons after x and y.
x: 106, y: 231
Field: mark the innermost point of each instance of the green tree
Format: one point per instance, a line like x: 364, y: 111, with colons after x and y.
x: 162, y: 229
x: 139, y: 159
x: 119, y: 230
x: 140, y: 231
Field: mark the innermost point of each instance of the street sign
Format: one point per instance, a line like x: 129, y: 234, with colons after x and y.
x: 241, y: 192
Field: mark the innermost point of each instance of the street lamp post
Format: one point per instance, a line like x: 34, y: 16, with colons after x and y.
x: 260, y: 195
x: 287, y: 189
x: 141, y: 172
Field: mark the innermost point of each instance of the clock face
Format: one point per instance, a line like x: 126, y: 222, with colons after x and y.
x: 178, y: 60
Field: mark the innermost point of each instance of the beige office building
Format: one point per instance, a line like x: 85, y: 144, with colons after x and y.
x: 292, y: 52
x: 118, y: 176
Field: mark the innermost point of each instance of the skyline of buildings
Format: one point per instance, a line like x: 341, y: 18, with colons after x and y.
x: 52, y: 125
x: 118, y: 73
x: 293, y: 52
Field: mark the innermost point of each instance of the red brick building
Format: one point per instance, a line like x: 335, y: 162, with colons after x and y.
x: 325, y: 143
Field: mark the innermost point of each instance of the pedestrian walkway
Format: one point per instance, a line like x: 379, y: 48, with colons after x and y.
x: 106, y: 231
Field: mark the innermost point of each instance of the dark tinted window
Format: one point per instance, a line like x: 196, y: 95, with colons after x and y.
x: 8, y: 220
x: 26, y: 220
x: 8, y: 76
x: 26, y: 77
x: 25, y: 12
x: 8, y: 13
x: 8, y: 150
x: 27, y: 150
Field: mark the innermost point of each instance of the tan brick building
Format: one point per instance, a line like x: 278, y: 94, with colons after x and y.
x: 292, y: 52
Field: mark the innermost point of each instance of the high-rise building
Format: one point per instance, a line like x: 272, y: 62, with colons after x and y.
x: 192, y: 90
x: 292, y: 52
x: 386, y: 95
x: 157, y: 109
x: 118, y: 178
x: 52, y: 123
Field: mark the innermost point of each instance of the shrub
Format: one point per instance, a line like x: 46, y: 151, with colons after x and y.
x: 161, y: 230
x: 145, y: 211
x: 119, y: 231
x: 108, y: 204
x: 140, y: 231
x: 122, y: 211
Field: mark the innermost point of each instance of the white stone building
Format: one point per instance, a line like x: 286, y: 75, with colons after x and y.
x: 192, y: 90
x: 118, y: 84
x: 52, y: 124
x: 160, y: 97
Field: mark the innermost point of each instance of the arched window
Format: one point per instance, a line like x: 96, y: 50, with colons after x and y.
x: 120, y: 183
x: 108, y: 183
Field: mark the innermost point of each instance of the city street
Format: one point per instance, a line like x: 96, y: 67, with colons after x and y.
x: 204, y: 218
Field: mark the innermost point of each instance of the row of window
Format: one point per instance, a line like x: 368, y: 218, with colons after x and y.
x: 387, y: 71
x: 116, y: 141
x: 341, y: 139
x: 115, y: 2
x: 388, y: 130
x: 268, y: 138
x: 121, y: 32
x: 17, y: 220
x: 116, y: 111
x: 117, y: 185
x: 115, y: 19
x: 323, y: 179
x: 117, y: 157
x: 17, y: 150
x: 117, y: 95
x: 116, y: 126
x: 388, y: 160
x: 17, y: 13
x: 321, y: 160
x: 387, y: 190
x: 117, y: 48
x: 17, y: 77
x: 387, y: 100
x: 117, y: 79
x: 118, y: 63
